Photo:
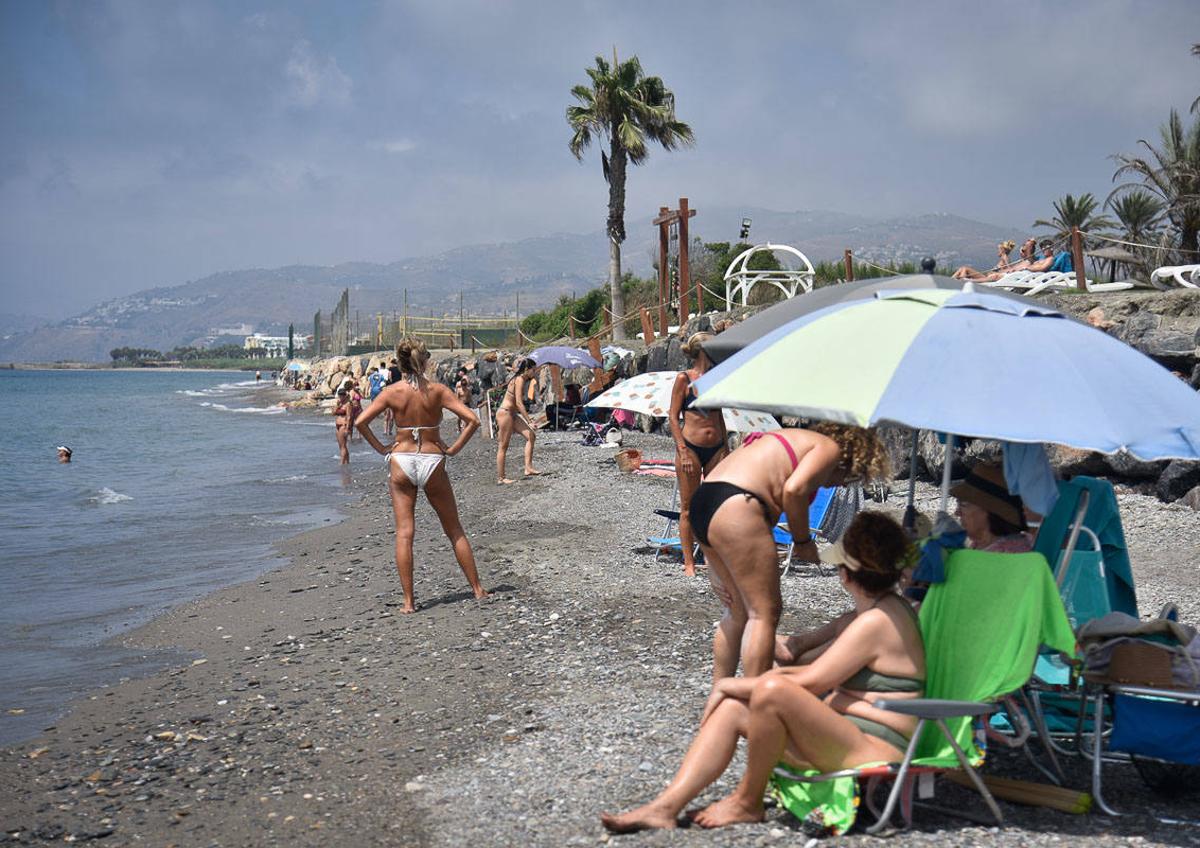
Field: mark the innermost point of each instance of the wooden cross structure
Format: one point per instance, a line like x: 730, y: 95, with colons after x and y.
x: 666, y: 219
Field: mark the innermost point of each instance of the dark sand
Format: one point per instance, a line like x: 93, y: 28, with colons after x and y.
x: 316, y: 714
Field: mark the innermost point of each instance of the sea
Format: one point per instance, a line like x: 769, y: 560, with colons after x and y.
x: 181, y: 482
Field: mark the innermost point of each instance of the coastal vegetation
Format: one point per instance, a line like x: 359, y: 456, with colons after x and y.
x: 627, y: 108
x: 228, y: 357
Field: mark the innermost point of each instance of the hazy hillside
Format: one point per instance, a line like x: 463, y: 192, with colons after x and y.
x: 489, y: 276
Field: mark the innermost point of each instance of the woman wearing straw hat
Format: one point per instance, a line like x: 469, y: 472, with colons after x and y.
x: 993, y: 519
x: 699, y: 440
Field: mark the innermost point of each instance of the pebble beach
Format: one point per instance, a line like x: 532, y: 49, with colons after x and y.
x: 305, y: 710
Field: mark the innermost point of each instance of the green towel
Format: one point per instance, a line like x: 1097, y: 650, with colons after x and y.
x: 982, y: 630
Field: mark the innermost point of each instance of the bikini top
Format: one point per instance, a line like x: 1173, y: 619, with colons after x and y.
x: 865, y: 680
x: 751, y: 438
x: 689, y: 398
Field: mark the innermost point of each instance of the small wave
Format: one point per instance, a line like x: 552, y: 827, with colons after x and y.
x: 107, y: 496
x: 190, y: 393
x: 260, y: 410
x: 295, y: 478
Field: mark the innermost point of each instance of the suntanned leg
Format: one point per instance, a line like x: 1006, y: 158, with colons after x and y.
x: 727, y: 641
x: 441, y: 497
x: 504, y: 419
x: 744, y: 542
x: 530, y: 437
x: 783, y: 713
x: 705, y: 761
x: 404, y: 497
x: 688, y: 483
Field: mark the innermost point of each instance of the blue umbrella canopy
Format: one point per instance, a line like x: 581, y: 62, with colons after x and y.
x: 566, y: 357
x: 969, y: 363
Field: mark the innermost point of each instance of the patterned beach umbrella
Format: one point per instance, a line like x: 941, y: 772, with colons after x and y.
x: 650, y: 394
x: 968, y: 363
x: 566, y: 357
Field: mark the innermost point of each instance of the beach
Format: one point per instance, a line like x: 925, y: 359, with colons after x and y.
x: 305, y: 710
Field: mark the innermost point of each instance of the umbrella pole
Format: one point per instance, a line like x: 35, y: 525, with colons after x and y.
x: 910, y: 511
x: 947, y: 464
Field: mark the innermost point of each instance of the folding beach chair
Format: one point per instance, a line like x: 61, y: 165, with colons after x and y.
x: 818, y: 512
x: 982, y: 628
x: 669, y: 541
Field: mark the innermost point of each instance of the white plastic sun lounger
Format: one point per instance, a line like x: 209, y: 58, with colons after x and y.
x: 1176, y: 276
x: 1035, y: 282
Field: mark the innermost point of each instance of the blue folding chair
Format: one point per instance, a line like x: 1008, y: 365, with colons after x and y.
x: 818, y: 510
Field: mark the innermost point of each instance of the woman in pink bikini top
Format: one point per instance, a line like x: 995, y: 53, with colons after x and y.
x: 734, y: 511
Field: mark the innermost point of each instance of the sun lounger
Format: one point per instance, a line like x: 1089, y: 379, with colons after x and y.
x: 1030, y: 283
x: 981, y: 628
x: 1176, y: 276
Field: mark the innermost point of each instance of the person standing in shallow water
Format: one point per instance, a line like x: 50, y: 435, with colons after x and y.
x: 417, y: 460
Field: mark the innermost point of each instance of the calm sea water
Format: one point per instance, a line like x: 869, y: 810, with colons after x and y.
x: 181, y: 482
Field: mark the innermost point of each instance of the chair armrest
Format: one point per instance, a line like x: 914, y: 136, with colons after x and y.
x: 671, y: 514
x: 932, y: 708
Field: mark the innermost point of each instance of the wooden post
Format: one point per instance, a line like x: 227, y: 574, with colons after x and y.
x: 685, y: 277
x: 556, y: 382
x: 664, y: 280
x: 404, y: 328
x: 571, y: 324
x: 647, y: 328
x: 594, y: 349
x: 1077, y: 258
x: 848, y: 261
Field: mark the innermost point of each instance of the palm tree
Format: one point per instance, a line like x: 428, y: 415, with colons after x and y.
x: 1196, y: 102
x: 1075, y: 212
x: 1172, y: 174
x: 1139, y: 213
x: 626, y: 108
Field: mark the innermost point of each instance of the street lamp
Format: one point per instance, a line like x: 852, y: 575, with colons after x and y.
x: 744, y: 233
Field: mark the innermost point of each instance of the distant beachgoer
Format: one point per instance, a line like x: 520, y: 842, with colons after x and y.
x: 820, y: 714
x: 258, y: 376
x: 699, y: 439
x: 462, y: 389
x: 512, y: 416
x: 341, y: 424
x: 356, y: 407
x: 1003, y: 251
x: 376, y: 382
x: 416, y: 460
x: 1047, y: 260
x: 734, y: 511
x: 64, y: 453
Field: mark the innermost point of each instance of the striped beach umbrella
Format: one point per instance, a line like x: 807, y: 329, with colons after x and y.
x: 650, y: 394
x: 969, y: 363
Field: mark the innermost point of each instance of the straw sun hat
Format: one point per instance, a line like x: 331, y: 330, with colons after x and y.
x: 986, y: 488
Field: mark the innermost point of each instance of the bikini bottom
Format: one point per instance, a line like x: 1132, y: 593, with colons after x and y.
x: 707, y: 499
x: 880, y: 731
x: 417, y: 467
x: 704, y: 454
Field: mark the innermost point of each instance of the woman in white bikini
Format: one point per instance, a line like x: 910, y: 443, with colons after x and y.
x: 513, y: 417
x: 416, y: 460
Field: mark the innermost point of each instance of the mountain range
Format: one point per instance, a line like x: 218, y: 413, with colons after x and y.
x: 490, y: 278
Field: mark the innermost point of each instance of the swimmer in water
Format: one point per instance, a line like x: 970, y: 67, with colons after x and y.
x: 64, y: 453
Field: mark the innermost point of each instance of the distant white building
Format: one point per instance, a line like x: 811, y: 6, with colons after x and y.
x: 272, y: 346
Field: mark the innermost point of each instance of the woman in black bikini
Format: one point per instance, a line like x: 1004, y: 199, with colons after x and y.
x: 513, y: 417
x: 820, y: 714
x: 734, y: 512
x: 699, y: 440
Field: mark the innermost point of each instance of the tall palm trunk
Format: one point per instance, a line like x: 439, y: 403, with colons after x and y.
x: 616, y: 232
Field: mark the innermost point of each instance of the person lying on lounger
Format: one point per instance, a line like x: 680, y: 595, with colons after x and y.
x: 818, y: 715
x: 1028, y: 249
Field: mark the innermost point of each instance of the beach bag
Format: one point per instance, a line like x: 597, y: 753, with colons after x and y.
x: 629, y: 459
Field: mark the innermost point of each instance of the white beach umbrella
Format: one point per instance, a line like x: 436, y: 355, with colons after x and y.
x: 650, y: 394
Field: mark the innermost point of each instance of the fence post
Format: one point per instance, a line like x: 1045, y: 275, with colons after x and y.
x: 848, y: 261
x: 1077, y: 258
x: 571, y: 324
x: 647, y: 327
x: 685, y: 272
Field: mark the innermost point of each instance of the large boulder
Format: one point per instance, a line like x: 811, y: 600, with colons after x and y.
x: 1191, y: 499
x: 1177, y: 479
x: 898, y: 441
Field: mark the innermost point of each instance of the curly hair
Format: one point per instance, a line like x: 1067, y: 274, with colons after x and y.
x: 412, y: 355
x: 864, y: 454
x: 692, y: 348
x: 879, y: 543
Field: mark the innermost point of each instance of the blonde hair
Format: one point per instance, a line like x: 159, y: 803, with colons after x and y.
x: 1008, y: 245
x: 864, y: 454
x: 693, y: 347
x: 412, y: 355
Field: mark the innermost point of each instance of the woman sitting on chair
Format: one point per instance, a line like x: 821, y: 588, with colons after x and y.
x: 699, y: 440
x: 817, y: 715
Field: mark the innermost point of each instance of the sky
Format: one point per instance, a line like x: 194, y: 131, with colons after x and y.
x: 150, y: 143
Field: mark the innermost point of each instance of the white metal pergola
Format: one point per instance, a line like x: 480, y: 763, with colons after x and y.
x: 740, y: 279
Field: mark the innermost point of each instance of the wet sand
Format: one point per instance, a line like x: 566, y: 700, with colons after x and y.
x: 308, y: 711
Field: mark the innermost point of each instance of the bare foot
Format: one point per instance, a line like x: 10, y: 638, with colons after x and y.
x: 532, y: 472
x: 641, y: 818
x: 482, y: 593
x: 409, y: 607
x: 728, y: 811
x: 689, y: 570
x: 504, y: 481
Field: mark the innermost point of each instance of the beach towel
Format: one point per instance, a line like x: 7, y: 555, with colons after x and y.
x: 1062, y: 262
x: 968, y: 659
